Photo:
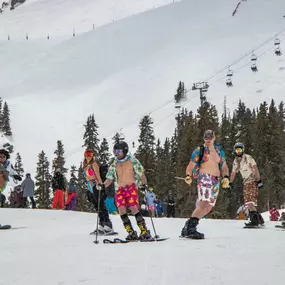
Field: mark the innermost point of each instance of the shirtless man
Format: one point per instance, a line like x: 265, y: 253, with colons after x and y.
x: 246, y: 165
x: 127, y: 173
x: 207, y: 164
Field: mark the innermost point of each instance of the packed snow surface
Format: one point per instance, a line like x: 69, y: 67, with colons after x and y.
x: 54, y: 247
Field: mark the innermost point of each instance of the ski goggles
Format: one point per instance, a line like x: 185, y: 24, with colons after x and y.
x: 208, y: 137
x: 88, y: 154
x: 239, y: 150
x: 117, y: 151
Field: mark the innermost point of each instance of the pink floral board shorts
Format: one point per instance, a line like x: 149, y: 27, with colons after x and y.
x: 208, y: 188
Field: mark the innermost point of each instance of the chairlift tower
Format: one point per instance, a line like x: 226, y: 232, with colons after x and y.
x: 203, y: 88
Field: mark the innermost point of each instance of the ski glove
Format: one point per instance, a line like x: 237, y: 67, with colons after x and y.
x: 226, y: 182
x: 259, y: 184
x: 188, y: 179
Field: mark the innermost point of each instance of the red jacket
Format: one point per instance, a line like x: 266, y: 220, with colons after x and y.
x: 274, y: 215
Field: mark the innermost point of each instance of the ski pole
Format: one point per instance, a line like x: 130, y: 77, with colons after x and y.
x: 98, y: 211
x: 155, y: 235
x: 179, y: 178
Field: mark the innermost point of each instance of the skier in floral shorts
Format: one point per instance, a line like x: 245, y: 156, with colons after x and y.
x: 207, y: 165
x: 246, y: 165
x: 127, y: 173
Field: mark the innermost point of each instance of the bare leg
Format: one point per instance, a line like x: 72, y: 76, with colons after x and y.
x: 203, y: 209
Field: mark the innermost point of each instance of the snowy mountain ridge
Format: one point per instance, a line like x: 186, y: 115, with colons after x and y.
x: 129, y: 68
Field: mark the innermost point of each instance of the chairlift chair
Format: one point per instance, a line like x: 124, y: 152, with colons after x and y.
x: 230, y: 73
x: 276, y: 42
x: 254, y: 67
x: 278, y: 51
x: 253, y: 57
x: 177, y: 105
x: 229, y: 82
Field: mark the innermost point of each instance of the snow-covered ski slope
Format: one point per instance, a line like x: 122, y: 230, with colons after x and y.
x: 58, y: 18
x: 54, y: 247
x: 129, y: 68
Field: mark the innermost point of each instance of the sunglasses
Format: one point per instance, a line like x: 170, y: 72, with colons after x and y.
x: 88, y: 154
x: 117, y: 151
x: 238, y: 150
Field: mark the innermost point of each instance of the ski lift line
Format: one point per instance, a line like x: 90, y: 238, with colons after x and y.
x: 242, y: 57
x: 244, y: 65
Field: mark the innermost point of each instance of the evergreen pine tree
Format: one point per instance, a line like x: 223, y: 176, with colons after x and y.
x: 116, y: 138
x: 82, y: 202
x: 19, y: 165
x: 74, y: 174
x: 145, y: 152
x: 6, y: 127
x: 180, y: 93
x: 59, y: 160
x: 43, y: 182
x: 104, y: 155
x: 91, y: 135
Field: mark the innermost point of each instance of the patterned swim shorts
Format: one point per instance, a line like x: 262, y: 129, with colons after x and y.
x: 250, y: 193
x: 208, y: 188
x: 127, y: 196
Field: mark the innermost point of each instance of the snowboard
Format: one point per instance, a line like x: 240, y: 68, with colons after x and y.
x: 189, y: 237
x: 5, y: 227
x: 117, y: 240
x: 253, y: 227
x: 279, y: 227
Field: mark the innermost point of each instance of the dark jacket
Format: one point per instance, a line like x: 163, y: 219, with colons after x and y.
x: 58, y: 182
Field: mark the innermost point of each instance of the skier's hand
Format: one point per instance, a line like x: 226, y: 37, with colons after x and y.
x: 226, y: 182
x: 259, y: 184
x: 188, y: 179
x: 99, y: 187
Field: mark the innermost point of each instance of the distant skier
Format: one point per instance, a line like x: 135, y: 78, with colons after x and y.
x: 59, y: 188
x: 127, y: 173
x: 274, y: 214
x: 70, y: 203
x: 150, y: 198
x: 95, y: 184
x: 207, y: 164
x: 28, y: 188
x: 246, y: 165
x: 6, y: 170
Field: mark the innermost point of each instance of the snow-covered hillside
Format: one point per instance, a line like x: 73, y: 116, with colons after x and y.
x: 131, y: 67
x: 54, y: 247
x: 38, y: 18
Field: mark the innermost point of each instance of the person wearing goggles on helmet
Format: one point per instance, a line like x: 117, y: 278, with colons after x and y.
x: 246, y: 165
x: 207, y: 165
x: 95, y: 184
x: 127, y: 173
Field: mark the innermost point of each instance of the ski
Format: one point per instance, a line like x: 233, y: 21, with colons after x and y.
x: 252, y: 227
x: 117, y: 240
x: 105, y: 234
x: 5, y: 227
x: 279, y: 227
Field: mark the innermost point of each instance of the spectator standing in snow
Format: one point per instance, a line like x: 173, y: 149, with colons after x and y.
x: 170, y: 203
x: 70, y: 203
x: 282, y: 218
x: 150, y: 198
x: 274, y: 214
x: 59, y: 187
x: 28, y: 188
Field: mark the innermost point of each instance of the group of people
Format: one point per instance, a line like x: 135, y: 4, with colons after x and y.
x: 126, y: 174
x: 208, y: 165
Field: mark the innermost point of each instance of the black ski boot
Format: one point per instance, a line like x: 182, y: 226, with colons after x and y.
x: 108, y: 227
x: 260, y: 219
x: 254, y: 219
x: 132, y: 235
x: 189, y: 230
x: 283, y: 224
x: 145, y: 234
